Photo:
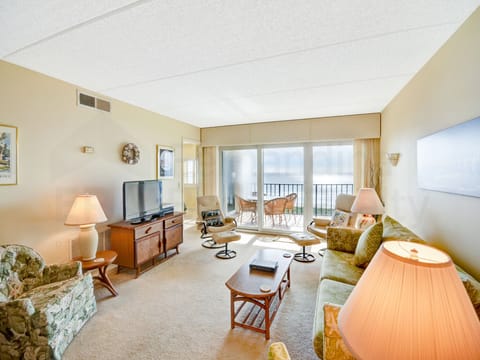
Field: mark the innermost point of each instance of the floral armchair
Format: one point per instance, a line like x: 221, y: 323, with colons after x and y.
x: 42, y: 307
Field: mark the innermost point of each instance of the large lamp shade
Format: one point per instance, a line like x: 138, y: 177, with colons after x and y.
x: 86, y: 211
x: 410, y: 304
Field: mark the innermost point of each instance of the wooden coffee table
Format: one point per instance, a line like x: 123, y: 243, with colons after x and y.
x: 101, y: 262
x: 250, y: 307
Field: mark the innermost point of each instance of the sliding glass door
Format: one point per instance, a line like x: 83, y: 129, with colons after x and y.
x: 280, y: 188
x: 283, y: 173
x: 239, y: 185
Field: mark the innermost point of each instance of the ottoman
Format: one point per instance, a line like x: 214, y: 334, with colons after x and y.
x: 304, y: 239
x: 225, y: 237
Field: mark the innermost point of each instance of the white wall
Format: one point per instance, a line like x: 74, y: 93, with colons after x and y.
x: 52, y: 169
x: 445, y: 92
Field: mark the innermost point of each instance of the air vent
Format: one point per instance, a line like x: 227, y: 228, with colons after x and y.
x: 93, y: 102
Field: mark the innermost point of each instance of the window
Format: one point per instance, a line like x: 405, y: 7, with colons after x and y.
x: 190, y: 172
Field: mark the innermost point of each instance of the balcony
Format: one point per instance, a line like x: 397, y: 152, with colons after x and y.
x: 324, y: 196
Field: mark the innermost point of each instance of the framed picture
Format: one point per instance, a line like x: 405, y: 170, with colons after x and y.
x: 165, y: 162
x: 449, y: 160
x: 8, y: 155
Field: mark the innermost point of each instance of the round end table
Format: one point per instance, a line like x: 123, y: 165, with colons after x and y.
x: 101, y: 262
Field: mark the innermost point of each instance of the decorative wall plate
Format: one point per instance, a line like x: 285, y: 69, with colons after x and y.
x: 131, y: 154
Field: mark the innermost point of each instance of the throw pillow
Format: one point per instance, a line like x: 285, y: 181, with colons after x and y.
x: 339, y: 218
x: 333, y: 346
x: 368, y: 244
x: 212, y: 217
x: 393, y: 230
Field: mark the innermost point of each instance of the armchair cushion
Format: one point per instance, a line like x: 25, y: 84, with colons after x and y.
x: 368, y: 244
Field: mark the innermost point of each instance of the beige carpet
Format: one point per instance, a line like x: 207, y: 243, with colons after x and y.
x: 180, y: 309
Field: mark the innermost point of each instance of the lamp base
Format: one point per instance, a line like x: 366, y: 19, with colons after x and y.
x: 364, y: 221
x: 88, y: 242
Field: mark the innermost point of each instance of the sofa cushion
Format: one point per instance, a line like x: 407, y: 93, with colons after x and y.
x: 368, y: 244
x: 472, y: 286
x: 393, y: 230
x: 343, y: 238
x: 339, y: 218
x: 332, y: 292
x: 338, y: 265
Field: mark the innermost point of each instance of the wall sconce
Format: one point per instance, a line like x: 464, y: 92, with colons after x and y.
x: 393, y: 158
x: 87, y: 149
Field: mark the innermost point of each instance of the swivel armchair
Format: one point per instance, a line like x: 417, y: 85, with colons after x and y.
x: 211, y: 220
x: 343, y: 204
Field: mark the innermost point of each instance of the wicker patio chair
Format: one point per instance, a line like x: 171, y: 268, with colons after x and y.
x: 290, y: 205
x: 275, y: 208
x: 246, y: 206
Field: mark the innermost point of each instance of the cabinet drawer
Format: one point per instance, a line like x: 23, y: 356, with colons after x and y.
x: 147, y: 248
x: 148, y: 229
x: 173, y: 221
x: 173, y: 237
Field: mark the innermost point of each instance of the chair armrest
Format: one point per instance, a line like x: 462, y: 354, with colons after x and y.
x: 59, y: 272
x: 342, y: 238
x: 228, y: 220
x: 15, y: 317
x: 333, y: 345
x: 321, y: 221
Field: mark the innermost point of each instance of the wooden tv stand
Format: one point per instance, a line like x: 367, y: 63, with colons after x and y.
x: 140, y: 244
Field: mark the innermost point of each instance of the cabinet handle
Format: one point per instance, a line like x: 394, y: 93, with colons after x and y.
x: 148, y: 230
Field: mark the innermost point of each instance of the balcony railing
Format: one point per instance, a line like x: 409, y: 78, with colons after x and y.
x: 324, y: 195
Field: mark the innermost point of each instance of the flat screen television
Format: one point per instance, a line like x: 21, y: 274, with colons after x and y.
x: 142, y: 200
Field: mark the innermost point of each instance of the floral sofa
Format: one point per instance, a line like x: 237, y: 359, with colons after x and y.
x: 42, y: 307
x: 348, y: 253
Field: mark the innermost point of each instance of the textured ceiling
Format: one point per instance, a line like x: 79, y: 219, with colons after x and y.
x: 221, y: 62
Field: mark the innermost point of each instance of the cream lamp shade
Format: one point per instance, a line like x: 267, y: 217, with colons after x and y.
x: 367, y: 203
x: 410, y: 304
x: 86, y: 211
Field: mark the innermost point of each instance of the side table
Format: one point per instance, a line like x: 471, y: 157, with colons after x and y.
x: 101, y: 262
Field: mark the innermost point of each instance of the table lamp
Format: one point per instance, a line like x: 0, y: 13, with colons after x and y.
x: 367, y: 204
x: 86, y: 211
x: 410, y: 304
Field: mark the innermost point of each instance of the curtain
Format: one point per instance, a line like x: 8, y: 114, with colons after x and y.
x: 366, y: 166
x: 209, y: 167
